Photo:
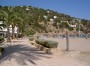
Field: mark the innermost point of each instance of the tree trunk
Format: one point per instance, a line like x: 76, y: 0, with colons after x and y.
x: 13, y: 35
x: 17, y: 33
x: 8, y: 34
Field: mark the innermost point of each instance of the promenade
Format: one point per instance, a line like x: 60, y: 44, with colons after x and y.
x: 21, y: 53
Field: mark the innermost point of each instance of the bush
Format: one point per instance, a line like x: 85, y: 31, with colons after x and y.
x: 51, y: 44
x: 20, y: 35
x: 40, y: 41
x: 48, y: 44
x: 1, y: 38
x: 31, y: 37
x: 29, y: 32
x: 37, y: 37
x: 70, y: 28
x: 1, y: 49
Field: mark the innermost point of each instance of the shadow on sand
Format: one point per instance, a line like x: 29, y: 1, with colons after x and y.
x: 22, y: 53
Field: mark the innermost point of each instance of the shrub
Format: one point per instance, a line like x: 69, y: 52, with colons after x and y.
x: 51, y: 44
x: 31, y: 37
x: 1, y: 38
x: 48, y: 44
x: 40, y: 41
x: 29, y: 32
x: 70, y: 28
x: 1, y: 49
x: 37, y: 41
x: 20, y: 35
x: 37, y: 37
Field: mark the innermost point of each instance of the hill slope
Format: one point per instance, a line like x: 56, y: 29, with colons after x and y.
x: 45, y: 21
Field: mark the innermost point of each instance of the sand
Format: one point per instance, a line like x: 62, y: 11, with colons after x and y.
x: 21, y: 53
x: 78, y: 44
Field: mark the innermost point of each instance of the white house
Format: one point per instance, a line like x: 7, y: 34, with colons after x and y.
x: 74, y: 26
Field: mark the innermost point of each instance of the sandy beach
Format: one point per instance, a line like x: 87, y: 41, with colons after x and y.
x: 79, y: 48
x: 21, y: 53
x: 78, y: 44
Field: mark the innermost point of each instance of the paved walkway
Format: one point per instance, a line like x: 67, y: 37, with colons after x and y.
x: 21, y: 53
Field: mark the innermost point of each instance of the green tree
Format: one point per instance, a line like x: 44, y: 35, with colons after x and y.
x: 16, y: 21
x: 6, y: 13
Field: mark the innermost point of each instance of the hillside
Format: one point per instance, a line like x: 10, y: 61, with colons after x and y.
x: 48, y: 21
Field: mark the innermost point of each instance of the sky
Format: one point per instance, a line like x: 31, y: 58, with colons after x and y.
x: 74, y: 8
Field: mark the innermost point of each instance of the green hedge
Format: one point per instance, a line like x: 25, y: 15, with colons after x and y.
x: 1, y: 49
x: 48, y: 44
x: 51, y: 44
x: 40, y: 41
x: 1, y: 38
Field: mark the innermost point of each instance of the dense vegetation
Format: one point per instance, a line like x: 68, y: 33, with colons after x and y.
x: 30, y: 20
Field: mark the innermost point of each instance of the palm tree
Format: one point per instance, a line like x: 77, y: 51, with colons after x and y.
x: 20, y: 25
x: 6, y: 13
x: 16, y: 19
